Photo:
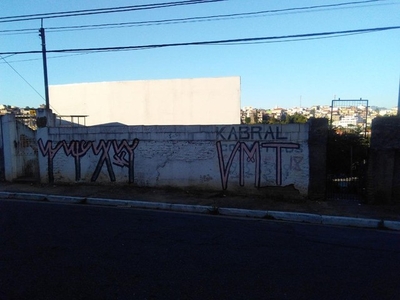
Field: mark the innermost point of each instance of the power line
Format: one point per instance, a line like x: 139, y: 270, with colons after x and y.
x: 102, y: 10
x: 18, y: 31
x: 293, y: 39
x: 52, y: 57
x: 219, y: 17
x: 227, y: 44
x: 213, y: 17
x: 26, y: 81
x: 215, y: 42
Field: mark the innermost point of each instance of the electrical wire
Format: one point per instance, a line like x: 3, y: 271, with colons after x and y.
x: 296, y: 40
x: 102, y: 10
x: 22, y: 77
x: 49, y: 57
x: 220, y: 17
x: 215, y: 42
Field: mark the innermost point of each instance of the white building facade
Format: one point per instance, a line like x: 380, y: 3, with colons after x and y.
x: 198, y: 101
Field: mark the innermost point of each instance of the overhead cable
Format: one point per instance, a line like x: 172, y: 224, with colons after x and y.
x: 262, y: 13
x: 215, y: 42
x: 213, y: 17
x: 22, y: 77
x: 102, y: 10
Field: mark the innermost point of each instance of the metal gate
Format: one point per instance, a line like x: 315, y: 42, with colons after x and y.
x: 347, y: 150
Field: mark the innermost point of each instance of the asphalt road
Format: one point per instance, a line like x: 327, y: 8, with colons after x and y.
x: 56, y: 251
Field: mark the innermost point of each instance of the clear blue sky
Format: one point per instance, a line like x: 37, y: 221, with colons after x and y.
x: 284, y: 74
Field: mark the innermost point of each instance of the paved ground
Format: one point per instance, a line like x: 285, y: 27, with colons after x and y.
x: 348, y: 208
x: 58, y: 251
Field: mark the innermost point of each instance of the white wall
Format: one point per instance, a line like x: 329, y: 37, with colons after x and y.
x: 214, y: 157
x: 20, y: 149
x: 198, y: 101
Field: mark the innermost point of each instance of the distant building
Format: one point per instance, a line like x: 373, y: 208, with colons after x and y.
x: 349, y: 121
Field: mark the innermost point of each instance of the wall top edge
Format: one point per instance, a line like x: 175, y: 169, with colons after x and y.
x: 182, y: 128
x: 233, y: 77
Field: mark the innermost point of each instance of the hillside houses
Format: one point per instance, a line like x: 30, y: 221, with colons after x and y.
x: 25, y: 115
x: 344, y: 117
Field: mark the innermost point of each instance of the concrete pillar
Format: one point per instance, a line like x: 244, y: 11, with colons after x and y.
x: 45, y: 118
x: 383, y: 176
x: 317, y: 143
x: 9, y: 134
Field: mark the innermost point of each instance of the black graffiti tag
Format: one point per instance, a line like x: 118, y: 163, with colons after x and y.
x: 252, y: 154
x: 123, y: 155
x: 77, y: 149
x: 123, y: 149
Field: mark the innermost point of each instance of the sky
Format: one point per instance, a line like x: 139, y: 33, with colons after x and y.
x: 278, y: 73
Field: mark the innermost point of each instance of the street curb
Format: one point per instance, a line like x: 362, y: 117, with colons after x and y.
x: 149, y: 205
x: 295, y: 217
x: 26, y: 196
x: 392, y: 225
x: 352, y: 222
x: 200, y: 209
x: 65, y: 199
x: 238, y: 212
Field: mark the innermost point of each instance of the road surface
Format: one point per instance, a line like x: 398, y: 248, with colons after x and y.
x: 56, y: 251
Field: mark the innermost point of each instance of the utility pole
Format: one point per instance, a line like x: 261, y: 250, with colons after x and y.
x: 46, y: 82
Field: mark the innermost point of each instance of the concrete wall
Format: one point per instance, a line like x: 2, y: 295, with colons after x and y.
x: 245, y: 158
x: 383, y: 178
x: 199, y: 101
x: 19, y: 149
x: 317, y: 143
x: 2, y: 169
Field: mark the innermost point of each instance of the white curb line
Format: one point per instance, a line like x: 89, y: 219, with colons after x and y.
x: 393, y: 225
x: 348, y: 221
x: 295, y: 217
x: 233, y: 212
x: 237, y: 212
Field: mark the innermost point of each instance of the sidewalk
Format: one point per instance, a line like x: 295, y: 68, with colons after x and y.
x: 223, y: 203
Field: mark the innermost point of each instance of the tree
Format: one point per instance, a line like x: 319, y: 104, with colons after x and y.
x: 295, y: 119
x: 347, y: 152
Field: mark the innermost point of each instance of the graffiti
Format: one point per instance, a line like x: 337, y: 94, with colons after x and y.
x: 252, y: 154
x: 295, y: 162
x: 278, y: 150
x: 103, y: 147
x: 50, y: 152
x: 123, y: 155
x: 123, y: 149
x: 77, y: 149
x: 249, y: 133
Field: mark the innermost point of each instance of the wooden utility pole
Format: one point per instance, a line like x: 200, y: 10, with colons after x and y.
x: 46, y: 82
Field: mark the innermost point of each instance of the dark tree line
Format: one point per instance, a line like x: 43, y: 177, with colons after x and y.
x: 347, y: 152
